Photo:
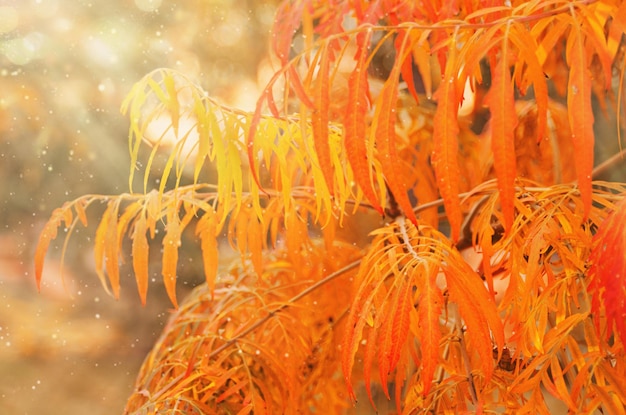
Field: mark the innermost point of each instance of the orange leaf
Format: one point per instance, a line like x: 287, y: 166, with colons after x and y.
x: 255, y: 243
x: 354, y: 330
x: 238, y: 229
x: 368, y: 360
x: 80, y: 206
x: 527, y: 48
x: 561, y: 388
x: 477, y: 310
x: 320, y: 120
x: 580, y: 115
x: 99, y: 246
x: 124, y: 220
x: 140, y: 252
x: 111, y: 249
x: 554, y: 27
x: 386, y: 144
x: 617, y: 29
x: 171, y: 242
x: 298, y: 88
x: 446, y: 147
x: 429, y: 311
x: 608, y: 271
x: 384, y: 343
x: 296, y: 235
x: 355, y: 124
x: 407, y: 65
x: 422, y: 57
x: 475, y: 51
x: 503, y: 120
x: 254, y: 122
x: 594, y: 26
x: 48, y: 233
x: 207, y: 230
x: 400, y: 320
x: 106, y: 248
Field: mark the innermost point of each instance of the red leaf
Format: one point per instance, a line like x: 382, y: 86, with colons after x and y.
x: 371, y: 15
x: 355, y: 124
x: 503, y: 120
x: 580, y: 115
x: 446, y: 147
x: 429, y: 311
x: 296, y: 83
x: 286, y: 22
x: 608, y: 271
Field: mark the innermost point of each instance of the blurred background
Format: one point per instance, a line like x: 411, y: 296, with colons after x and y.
x: 65, y: 67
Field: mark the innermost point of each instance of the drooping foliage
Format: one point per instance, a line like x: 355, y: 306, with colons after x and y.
x: 509, y: 295
x: 196, y: 368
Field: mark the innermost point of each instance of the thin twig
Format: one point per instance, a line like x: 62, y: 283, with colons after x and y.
x: 608, y: 163
x: 277, y: 310
x: 407, y: 241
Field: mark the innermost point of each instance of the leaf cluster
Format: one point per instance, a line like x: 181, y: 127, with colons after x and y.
x: 203, y: 364
x: 496, y: 302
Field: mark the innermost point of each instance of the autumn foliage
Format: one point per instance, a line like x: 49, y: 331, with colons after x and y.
x: 494, y: 277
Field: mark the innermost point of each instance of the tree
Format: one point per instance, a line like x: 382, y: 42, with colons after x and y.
x: 495, y: 279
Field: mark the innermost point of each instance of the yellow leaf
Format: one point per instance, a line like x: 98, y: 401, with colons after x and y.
x: 172, y: 100
x: 256, y: 238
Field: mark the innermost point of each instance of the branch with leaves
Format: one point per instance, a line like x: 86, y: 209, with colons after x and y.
x: 511, y: 294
